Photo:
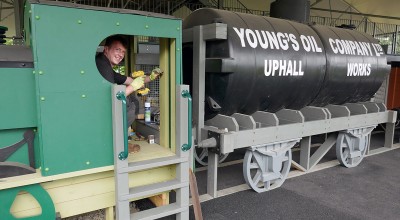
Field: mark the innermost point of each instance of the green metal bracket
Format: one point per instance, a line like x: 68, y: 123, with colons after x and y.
x: 186, y: 94
x: 124, y: 154
x: 8, y: 196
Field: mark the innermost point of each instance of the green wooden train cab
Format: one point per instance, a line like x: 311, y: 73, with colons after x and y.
x: 64, y: 103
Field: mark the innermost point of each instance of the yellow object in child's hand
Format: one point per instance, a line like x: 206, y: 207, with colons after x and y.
x: 156, y: 73
x: 137, y: 74
x: 138, y: 83
x: 144, y: 91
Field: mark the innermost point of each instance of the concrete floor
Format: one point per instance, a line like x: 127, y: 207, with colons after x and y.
x: 368, y: 191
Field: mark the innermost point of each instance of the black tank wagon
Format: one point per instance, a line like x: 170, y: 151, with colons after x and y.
x: 269, y: 83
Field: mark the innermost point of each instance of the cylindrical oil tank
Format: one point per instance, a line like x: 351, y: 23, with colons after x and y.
x: 276, y: 63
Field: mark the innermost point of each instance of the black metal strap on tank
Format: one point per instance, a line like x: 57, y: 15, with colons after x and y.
x: 6, y: 152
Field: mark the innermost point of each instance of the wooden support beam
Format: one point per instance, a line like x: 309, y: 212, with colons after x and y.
x: 109, y: 213
x: 160, y: 200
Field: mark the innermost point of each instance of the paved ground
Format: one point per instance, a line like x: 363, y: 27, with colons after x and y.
x: 369, y: 191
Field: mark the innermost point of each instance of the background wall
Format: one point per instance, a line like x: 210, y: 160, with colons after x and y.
x: 8, y: 20
x: 257, y: 4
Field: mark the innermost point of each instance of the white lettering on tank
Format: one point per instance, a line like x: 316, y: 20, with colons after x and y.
x: 317, y: 48
x: 240, y: 33
x: 306, y: 43
x: 333, y: 46
x: 289, y: 69
x: 364, y: 48
x: 295, y: 44
x: 340, y: 46
x: 263, y: 41
x: 275, y: 66
x: 369, y: 48
x: 347, y: 47
x: 358, y: 69
x: 353, y: 47
x: 301, y: 72
x: 283, y: 68
x: 273, y: 41
x: 251, y: 38
x: 267, y: 68
x: 359, y: 48
x: 375, y: 50
x: 282, y: 41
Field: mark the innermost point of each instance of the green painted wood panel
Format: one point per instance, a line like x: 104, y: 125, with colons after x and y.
x: 17, y: 98
x: 74, y: 103
x: 76, y: 131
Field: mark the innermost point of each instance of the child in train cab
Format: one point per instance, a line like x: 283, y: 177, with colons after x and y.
x: 114, y: 52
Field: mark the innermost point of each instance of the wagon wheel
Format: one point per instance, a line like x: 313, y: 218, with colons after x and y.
x: 263, y: 173
x: 201, y: 156
x: 351, y: 150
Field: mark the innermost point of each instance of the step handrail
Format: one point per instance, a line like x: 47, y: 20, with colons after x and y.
x: 123, y: 154
x: 186, y: 94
